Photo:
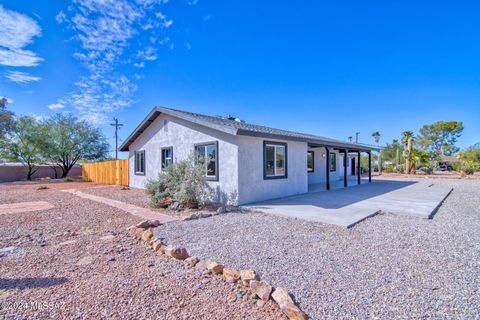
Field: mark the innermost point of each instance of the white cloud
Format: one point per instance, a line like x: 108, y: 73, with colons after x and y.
x: 20, y: 77
x: 60, y: 17
x: 55, y: 106
x: 110, y: 34
x: 17, y: 32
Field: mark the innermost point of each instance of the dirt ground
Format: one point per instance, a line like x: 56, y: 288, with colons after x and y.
x: 76, y: 261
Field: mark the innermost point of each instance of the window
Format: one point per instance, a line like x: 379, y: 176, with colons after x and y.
x: 140, y: 162
x: 310, y: 164
x: 208, y: 155
x: 167, y: 157
x: 275, y: 160
x: 333, y: 162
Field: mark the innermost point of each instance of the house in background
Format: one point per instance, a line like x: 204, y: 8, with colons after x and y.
x: 246, y: 163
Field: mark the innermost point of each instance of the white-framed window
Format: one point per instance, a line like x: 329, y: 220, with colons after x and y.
x: 207, y: 153
x: 167, y: 157
x: 140, y: 162
x: 274, y: 160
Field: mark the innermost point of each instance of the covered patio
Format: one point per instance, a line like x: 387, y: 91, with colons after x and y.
x: 340, y: 167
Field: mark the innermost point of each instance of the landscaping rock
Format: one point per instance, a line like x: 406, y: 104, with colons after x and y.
x: 191, y: 261
x: 215, y: 268
x: 149, y: 224
x: 260, y: 303
x: 156, y: 245
x: 247, y: 275
x: 204, y: 214
x: 201, y: 265
x: 221, y: 210
x: 177, y: 253
x: 135, y: 232
x: 231, y: 275
x: 261, y: 288
x: 147, y: 235
x: 285, y: 302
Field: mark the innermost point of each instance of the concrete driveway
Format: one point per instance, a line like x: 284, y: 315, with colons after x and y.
x: 348, y: 206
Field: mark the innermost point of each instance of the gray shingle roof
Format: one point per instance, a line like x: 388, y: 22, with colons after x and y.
x: 235, y: 127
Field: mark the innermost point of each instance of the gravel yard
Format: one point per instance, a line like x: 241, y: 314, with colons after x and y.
x: 79, y: 257
x: 386, y: 267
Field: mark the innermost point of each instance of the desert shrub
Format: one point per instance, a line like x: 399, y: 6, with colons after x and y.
x: 388, y: 168
x: 183, y: 181
x: 468, y: 166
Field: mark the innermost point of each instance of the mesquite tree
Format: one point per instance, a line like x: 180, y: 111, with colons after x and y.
x: 70, y: 139
x: 26, y: 140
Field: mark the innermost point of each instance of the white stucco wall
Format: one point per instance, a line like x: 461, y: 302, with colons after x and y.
x: 167, y: 131
x: 319, y: 175
x: 252, y: 185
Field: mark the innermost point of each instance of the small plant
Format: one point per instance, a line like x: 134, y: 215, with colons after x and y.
x: 468, y: 167
x: 182, y: 182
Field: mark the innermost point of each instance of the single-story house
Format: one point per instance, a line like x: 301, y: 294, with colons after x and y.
x: 245, y: 163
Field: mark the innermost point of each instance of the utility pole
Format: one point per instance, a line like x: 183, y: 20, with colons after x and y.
x: 117, y: 126
x: 356, y: 137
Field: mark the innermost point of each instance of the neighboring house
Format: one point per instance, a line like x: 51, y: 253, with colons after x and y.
x: 446, y: 162
x: 246, y: 163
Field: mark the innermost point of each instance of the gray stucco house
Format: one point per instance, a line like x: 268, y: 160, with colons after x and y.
x: 247, y: 163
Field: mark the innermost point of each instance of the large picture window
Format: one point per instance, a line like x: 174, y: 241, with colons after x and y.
x: 167, y: 157
x: 275, y: 160
x: 333, y: 162
x: 140, y: 162
x: 208, y: 155
x: 310, y: 161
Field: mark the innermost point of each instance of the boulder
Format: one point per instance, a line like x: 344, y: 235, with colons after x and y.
x: 177, y: 253
x: 215, y: 268
x: 248, y: 275
x: 285, y: 302
x: 191, y: 261
x: 148, y: 224
x: 261, y: 288
x: 231, y: 275
x: 147, y: 235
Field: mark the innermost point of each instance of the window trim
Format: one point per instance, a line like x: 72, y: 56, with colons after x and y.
x: 139, y: 173
x: 275, y: 143
x: 313, y: 162
x: 204, y: 144
x: 333, y: 156
x: 162, y: 159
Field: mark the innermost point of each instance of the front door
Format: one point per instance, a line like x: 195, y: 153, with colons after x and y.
x: 353, y: 166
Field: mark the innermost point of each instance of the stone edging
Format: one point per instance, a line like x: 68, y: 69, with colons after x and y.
x: 250, y: 280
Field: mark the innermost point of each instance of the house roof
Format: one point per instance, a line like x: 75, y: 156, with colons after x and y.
x: 236, y: 127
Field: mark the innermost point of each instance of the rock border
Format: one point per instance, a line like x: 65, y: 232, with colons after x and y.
x: 248, y: 279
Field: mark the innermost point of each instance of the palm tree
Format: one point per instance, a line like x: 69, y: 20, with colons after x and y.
x: 350, y: 138
x: 407, y: 137
x: 376, y: 136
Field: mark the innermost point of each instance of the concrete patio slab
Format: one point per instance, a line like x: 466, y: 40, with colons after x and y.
x: 346, y: 207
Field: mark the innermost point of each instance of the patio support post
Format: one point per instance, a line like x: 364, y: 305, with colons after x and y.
x: 345, y: 168
x: 328, y: 168
x: 369, y: 166
x: 358, y: 167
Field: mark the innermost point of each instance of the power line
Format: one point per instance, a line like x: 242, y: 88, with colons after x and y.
x: 117, y: 126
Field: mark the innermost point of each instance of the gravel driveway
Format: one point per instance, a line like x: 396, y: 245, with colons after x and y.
x: 76, y: 262
x: 386, y: 267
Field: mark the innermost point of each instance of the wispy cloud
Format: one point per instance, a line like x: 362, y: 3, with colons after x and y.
x: 55, y: 106
x: 20, y: 77
x: 17, y: 32
x: 112, y: 35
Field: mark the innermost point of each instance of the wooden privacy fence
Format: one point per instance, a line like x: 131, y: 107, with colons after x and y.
x: 107, y: 172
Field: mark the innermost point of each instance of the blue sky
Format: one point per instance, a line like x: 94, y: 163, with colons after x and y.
x: 328, y: 68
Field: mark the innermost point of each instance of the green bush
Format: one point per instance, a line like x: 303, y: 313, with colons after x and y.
x: 184, y: 182
x: 467, y: 166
